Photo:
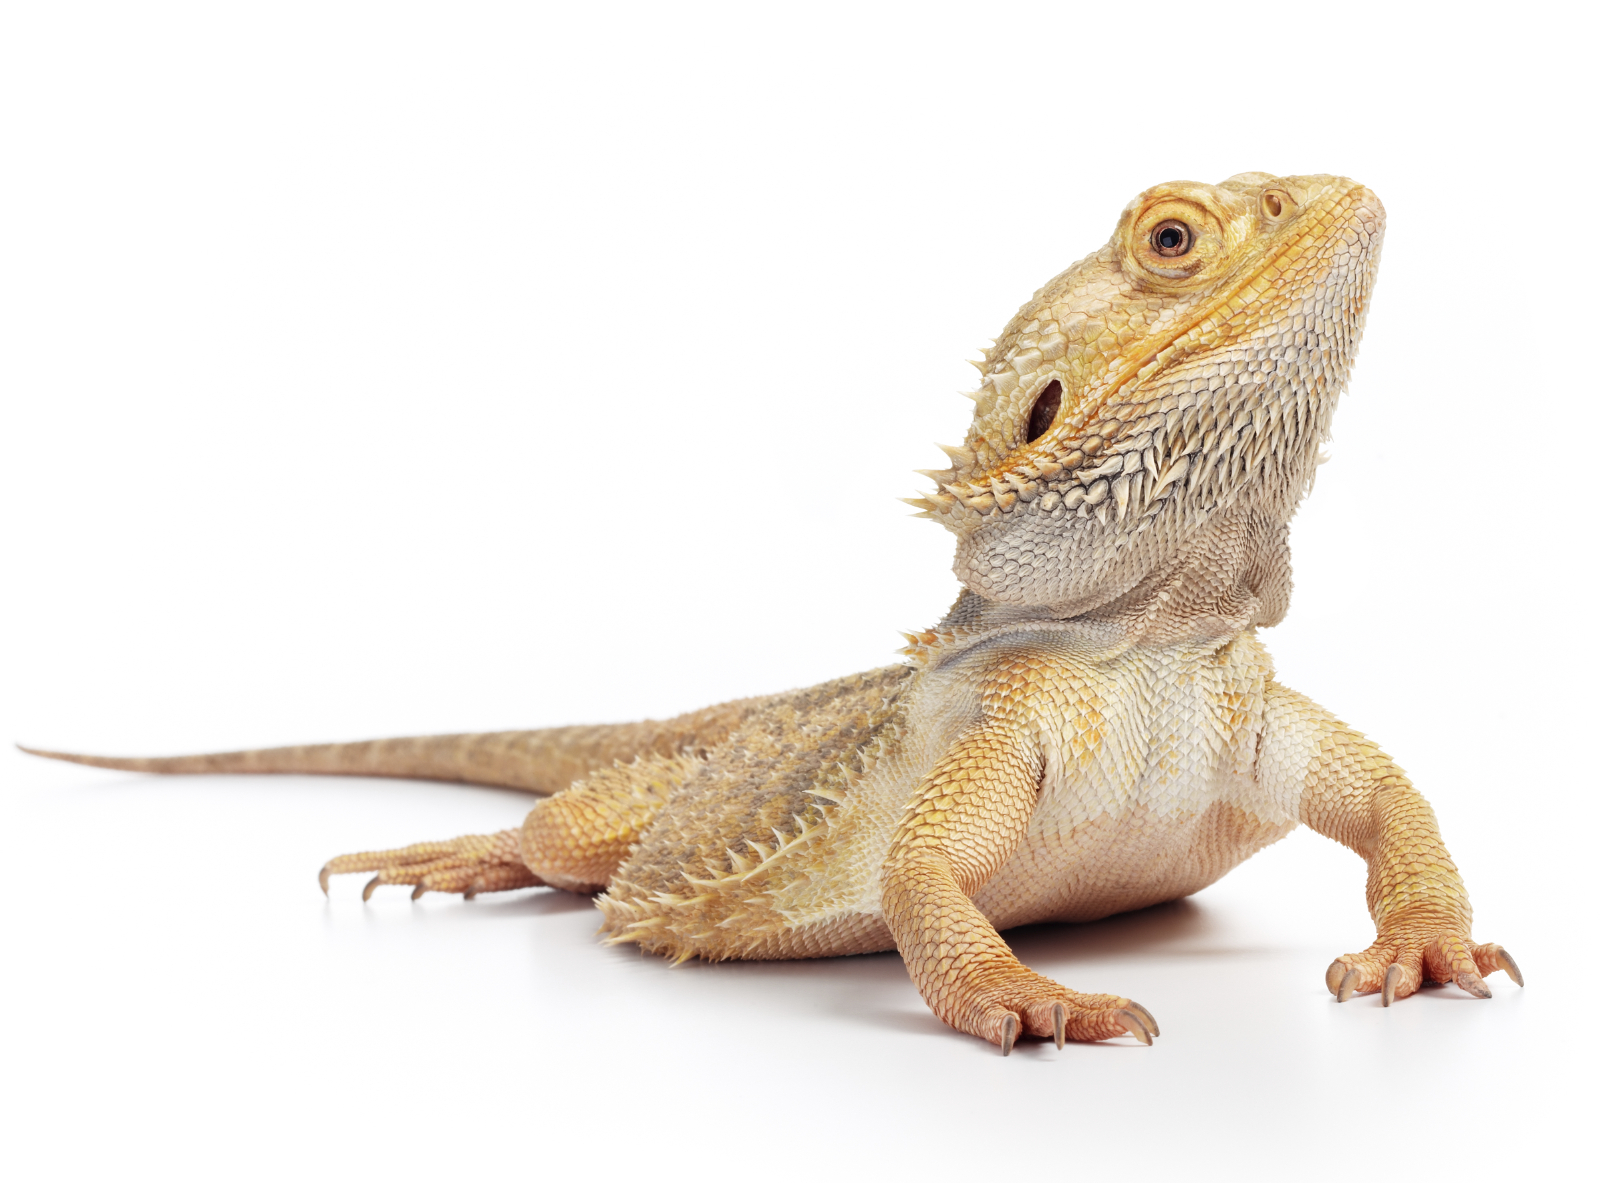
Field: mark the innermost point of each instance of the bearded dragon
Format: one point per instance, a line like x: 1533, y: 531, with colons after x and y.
x: 1093, y: 727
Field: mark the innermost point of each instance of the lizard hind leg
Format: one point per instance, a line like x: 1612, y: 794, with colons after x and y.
x: 578, y: 839
x: 573, y: 840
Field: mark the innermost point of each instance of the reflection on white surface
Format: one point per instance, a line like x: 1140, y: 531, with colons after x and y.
x: 184, y: 982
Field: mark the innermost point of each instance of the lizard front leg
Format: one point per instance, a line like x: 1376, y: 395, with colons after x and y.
x: 962, y: 824
x: 1352, y: 792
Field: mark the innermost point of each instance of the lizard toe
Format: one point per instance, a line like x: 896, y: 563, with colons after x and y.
x: 1135, y: 1026
x: 466, y: 866
x: 1406, y: 955
x: 1026, y: 1003
x: 1492, y: 957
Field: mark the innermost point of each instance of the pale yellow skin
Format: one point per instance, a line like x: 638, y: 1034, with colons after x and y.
x: 1093, y: 728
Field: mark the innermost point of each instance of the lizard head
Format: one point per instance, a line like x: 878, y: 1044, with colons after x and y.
x: 1187, y: 368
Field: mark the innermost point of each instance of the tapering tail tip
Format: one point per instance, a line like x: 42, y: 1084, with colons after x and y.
x: 49, y: 755
x: 130, y: 765
x: 506, y: 759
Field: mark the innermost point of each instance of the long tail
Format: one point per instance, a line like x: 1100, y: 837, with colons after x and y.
x: 542, y: 762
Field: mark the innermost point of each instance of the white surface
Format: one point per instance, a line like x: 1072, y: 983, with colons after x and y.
x: 379, y: 370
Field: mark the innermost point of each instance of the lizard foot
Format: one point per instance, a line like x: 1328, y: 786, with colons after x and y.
x: 1400, y: 960
x: 469, y: 865
x: 1026, y: 1003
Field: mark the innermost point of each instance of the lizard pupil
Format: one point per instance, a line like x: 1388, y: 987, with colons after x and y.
x: 1043, y: 412
x: 1171, y: 239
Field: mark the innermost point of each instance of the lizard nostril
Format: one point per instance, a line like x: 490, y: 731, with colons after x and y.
x: 1273, y: 204
x: 1043, y: 411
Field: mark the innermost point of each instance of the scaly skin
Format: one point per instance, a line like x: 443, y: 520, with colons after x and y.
x: 1092, y: 728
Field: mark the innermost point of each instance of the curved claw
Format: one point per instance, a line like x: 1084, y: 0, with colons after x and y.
x: 371, y: 886
x: 1011, y: 1029
x: 1334, y: 974
x: 1473, y: 985
x: 1389, y: 988
x: 1059, y: 1025
x: 1508, y: 964
x: 470, y: 893
x: 326, y: 872
x: 1135, y: 1026
x: 1146, y: 1018
x: 1348, y: 986
x: 418, y: 891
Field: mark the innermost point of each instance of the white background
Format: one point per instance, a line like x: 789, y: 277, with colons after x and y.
x: 382, y: 369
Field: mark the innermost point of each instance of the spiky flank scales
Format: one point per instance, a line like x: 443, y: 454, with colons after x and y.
x: 1093, y: 727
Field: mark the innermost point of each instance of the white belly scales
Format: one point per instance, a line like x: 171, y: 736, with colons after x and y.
x: 1151, y: 788
x: 1160, y: 798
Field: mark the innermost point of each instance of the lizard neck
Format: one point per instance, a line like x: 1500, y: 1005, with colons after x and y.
x: 1231, y: 576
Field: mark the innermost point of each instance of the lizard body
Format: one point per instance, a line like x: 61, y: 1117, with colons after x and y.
x: 1094, y: 726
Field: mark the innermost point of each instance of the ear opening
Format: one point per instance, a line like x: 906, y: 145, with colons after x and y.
x: 1044, y: 411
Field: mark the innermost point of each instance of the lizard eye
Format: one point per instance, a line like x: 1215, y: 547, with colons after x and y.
x: 1171, y: 238
x: 1043, y: 412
